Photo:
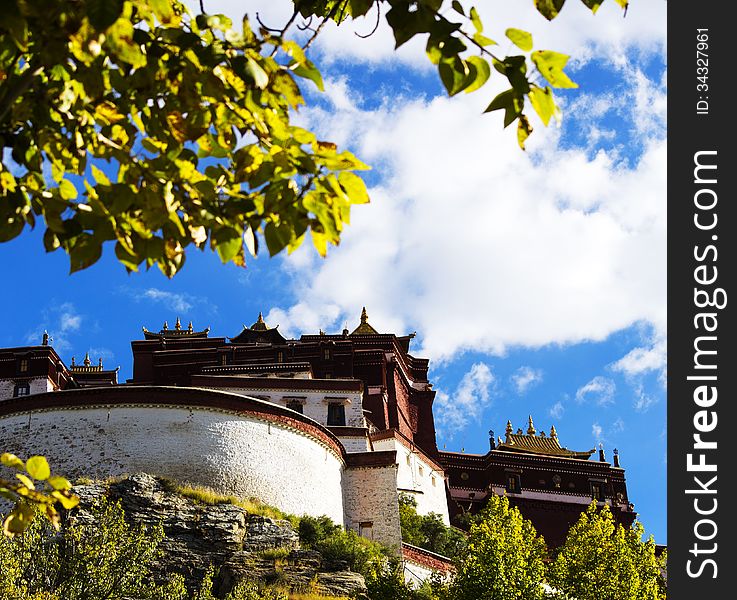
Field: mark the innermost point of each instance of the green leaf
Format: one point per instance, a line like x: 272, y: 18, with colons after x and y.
x: 476, y: 20
x: 67, y: 190
x: 229, y: 248
x: 595, y: 4
x: 12, y: 461
x: 307, y: 70
x: 453, y: 74
x: 482, y: 73
x: 458, y: 7
x: 524, y: 129
x: 59, y: 483
x: 551, y: 64
x: 521, y: 39
x: 549, y: 8
x: 543, y: 103
x: 103, y: 13
x: 360, y: 7
x: 354, y: 187
x: 25, y: 481
x: 260, y: 78
x: 163, y: 10
x: 512, y: 104
x: 67, y: 499
x: 482, y: 40
x: 99, y: 176
x: 84, y: 252
x: 275, y: 237
x: 38, y: 468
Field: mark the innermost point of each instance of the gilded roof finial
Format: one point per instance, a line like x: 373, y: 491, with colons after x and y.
x: 260, y: 317
x: 260, y: 324
x: 100, y: 362
x: 178, y: 325
x: 509, y: 431
x: 45, y: 339
x: 73, y: 362
x: 87, y: 361
x: 553, y: 432
x: 189, y: 327
x: 530, y: 426
x: 364, y: 315
x: 166, y: 326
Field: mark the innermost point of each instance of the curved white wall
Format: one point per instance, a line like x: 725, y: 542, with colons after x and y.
x: 229, y: 452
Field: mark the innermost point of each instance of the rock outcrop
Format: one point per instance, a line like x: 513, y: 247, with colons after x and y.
x: 238, y: 544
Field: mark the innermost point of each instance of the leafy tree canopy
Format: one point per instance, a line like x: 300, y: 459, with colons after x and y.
x: 428, y: 531
x: 177, y: 127
x: 503, y: 559
x: 603, y: 559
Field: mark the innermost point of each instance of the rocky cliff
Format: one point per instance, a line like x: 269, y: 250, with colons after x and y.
x: 238, y: 544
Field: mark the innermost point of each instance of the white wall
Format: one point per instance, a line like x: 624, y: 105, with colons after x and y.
x: 38, y: 386
x: 232, y: 453
x: 414, y: 473
x: 370, y: 494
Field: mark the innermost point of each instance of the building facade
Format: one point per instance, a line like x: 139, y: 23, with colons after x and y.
x: 335, y: 424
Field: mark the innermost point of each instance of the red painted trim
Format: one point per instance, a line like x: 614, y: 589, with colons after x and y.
x: 428, y: 559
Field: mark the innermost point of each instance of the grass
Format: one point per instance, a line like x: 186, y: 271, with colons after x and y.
x: 275, y: 554
x: 205, y: 495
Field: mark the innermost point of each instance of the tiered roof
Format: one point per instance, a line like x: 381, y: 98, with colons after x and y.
x: 534, y: 443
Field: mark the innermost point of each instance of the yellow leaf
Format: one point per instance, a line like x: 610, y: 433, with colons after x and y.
x: 25, y: 481
x: 38, y: 468
x: 11, y: 460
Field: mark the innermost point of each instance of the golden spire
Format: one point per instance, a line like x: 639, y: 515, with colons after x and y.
x: 189, y: 327
x: 365, y: 327
x: 166, y: 326
x: 87, y: 361
x: 100, y: 362
x: 178, y: 325
x: 553, y: 432
x: 508, y: 431
x: 260, y: 324
x: 73, y: 362
x: 530, y: 426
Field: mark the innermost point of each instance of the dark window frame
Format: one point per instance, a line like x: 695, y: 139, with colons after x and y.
x: 513, y: 483
x: 336, y: 414
x: 21, y: 389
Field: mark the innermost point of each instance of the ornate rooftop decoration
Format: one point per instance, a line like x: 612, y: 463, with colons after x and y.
x: 88, y: 367
x: 541, y: 443
x: 364, y: 328
x: 259, y: 332
x: 175, y: 333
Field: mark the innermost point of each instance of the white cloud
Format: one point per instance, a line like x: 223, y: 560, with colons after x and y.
x: 644, y: 359
x: 453, y: 412
x: 176, y: 302
x: 599, y: 390
x: 618, y: 426
x: 525, y: 378
x: 596, y: 431
x: 556, y: 411
x: 69, y: 320
x: 643, y: 401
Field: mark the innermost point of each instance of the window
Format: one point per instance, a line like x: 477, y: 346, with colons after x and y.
x: 432, y: 479
x: 296, y: 406
x: 326, y: 353
x: 280, y: 357
x: 21, y: 389
x: 421, y: 470
x: 336, y: 414
x: 23, y: 365
x: 597, y: 490
x: 409, y: 459
x: 366, y: 529
x: 514, y: 485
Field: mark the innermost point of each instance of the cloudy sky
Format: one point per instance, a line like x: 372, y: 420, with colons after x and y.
x: 535, y: 280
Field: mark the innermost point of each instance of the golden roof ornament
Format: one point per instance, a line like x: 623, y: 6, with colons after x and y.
x: 166, y: 326
x: 508, y: 431
x: 73, y: 362
x: 178, y: 325
x: 364, y: 327
x: 260, y: 324
x: 87, y: 361
x: 553, y: 432
x: 530, y: 426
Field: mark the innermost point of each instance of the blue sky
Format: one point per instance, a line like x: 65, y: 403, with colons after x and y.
x: 535, y: 281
